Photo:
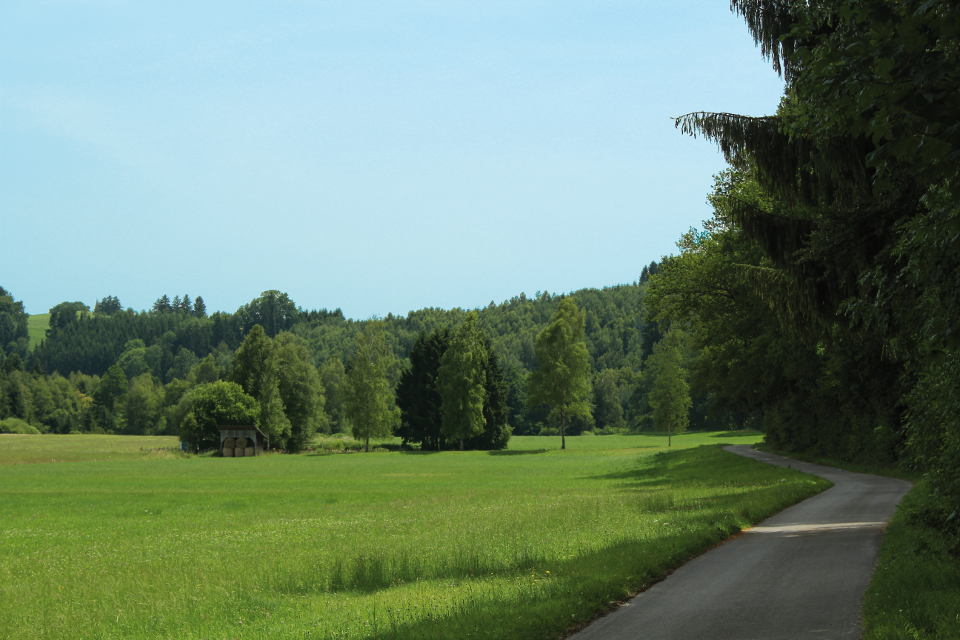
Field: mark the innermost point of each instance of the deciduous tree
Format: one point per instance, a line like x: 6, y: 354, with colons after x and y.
x: 369, y: 401
x: 462, y: 383
x: 562, y: 378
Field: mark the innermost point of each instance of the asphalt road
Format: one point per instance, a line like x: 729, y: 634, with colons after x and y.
x: 800, y: 574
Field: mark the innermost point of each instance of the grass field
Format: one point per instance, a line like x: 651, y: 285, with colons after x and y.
x: 526, y: 543
x: 37, y: 325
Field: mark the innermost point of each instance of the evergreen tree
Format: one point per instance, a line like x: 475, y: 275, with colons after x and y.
x: 369, y: 401
x: 162, y: 304
x: 562, y: 379
x: 199, y: 307
x: 66, y: 313
x: 418, y: 392
x: 107, y: 306
x: 13, y: 325
x: 462, y: 383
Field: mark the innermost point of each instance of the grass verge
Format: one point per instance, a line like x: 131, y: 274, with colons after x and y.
x: 915, y: 592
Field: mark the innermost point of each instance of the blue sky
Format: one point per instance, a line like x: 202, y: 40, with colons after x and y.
x: 373, y: 156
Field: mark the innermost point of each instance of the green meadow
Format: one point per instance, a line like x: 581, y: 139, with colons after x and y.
x: 525, y: 543
x: 37, y: 325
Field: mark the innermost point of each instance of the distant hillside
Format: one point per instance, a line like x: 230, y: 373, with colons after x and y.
x: 37, y: 325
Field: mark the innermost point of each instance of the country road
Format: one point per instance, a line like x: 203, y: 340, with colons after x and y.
x: 800, y: 574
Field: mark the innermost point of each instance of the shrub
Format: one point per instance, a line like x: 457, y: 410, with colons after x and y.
x: 16, y: 425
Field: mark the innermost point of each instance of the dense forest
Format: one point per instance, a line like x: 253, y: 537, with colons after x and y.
x: 116, y: 370
x: 823, y: 295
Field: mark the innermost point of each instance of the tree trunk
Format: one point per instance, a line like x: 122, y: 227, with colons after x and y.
x: 366, y: 444
x: 563, y: 430
x: 461, y: 444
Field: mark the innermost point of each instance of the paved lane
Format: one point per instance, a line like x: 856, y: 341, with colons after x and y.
x: 800, y: 574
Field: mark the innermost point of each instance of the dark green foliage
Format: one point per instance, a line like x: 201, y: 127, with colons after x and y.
x: 607, y: 401
x: 461, y: 381
x: 107, y: 306
x: 66, y: 314
x: 273, y: 310
x: 162, y: 304
x: 92, y: 343
x: 301, y: 391
x: 208, y: 406
x: 277, y: 373
x: 199, y: 307
x: 496, y: 430
x: 181, y: 348
x: 852, y: 192
x: 333, y: 377
x: 13, y: 325
x: 418, y: 394
x: 562, y: 378
x: 419, y: 399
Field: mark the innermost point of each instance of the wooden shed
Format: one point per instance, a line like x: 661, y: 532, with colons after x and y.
x: 240, y: 441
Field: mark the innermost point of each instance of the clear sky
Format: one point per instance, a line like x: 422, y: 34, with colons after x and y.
x: 377, y: 156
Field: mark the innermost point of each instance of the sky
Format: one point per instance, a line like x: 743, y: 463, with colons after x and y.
x: 377, y: 157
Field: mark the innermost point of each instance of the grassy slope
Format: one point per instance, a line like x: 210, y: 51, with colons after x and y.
x: 915, y: 591
x: 37, y: 325
x: 521, y: 544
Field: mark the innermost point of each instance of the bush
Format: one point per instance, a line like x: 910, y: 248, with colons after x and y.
x: 16, y: 425
x: 208, y: 406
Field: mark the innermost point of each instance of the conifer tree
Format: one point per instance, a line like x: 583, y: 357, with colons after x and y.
x: 418, y: 392
x: 199, y: 307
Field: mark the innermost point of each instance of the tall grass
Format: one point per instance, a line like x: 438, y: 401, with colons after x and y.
x: 526, y: 543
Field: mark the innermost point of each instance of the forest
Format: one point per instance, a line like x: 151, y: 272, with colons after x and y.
x: 823, y: 295
x: 115, y: 370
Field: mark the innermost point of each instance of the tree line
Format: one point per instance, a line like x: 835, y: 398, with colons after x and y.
x: 823, y: 294
x: 121, y: 371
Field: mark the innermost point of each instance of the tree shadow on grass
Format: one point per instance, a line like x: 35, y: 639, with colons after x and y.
x: 737, y: 434
x: 515, y: 452
x: 574, y: 592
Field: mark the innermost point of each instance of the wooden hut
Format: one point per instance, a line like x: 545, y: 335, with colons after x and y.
x: 240, y: 441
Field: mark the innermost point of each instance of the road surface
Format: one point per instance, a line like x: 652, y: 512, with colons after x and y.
x: 800, y: 574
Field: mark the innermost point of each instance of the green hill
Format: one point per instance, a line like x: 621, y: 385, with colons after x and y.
x: 37, y: 326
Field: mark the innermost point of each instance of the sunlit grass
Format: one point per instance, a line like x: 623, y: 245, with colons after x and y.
x: 37, y: 325
x: 20, y: 449
x: 519, y: 544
